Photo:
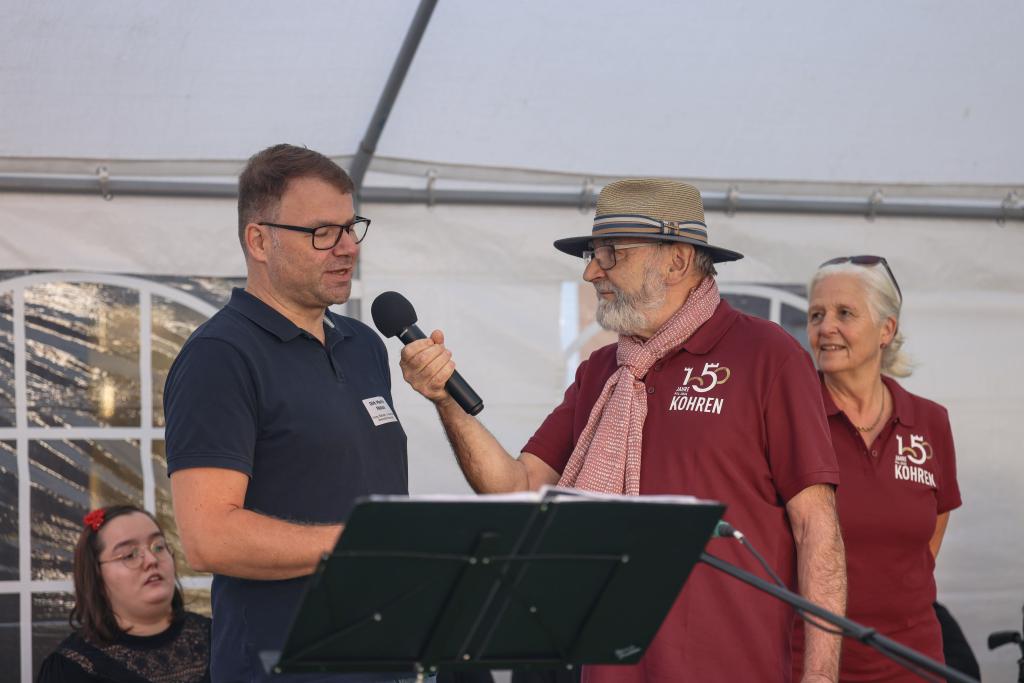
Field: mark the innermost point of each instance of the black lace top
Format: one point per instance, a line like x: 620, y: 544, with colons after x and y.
x: 181, y: 654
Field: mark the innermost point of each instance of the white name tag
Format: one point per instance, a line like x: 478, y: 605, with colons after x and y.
x: 379, y: 410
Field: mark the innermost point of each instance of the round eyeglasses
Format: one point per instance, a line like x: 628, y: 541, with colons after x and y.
x: 326, y: 236
x: 605, y: 254
x: 133, y: 558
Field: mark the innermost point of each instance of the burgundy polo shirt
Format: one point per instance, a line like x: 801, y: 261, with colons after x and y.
x: 892, y: 493
x: 734, y: 415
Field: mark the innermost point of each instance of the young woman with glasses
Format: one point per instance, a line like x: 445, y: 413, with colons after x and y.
x: 129, y: 618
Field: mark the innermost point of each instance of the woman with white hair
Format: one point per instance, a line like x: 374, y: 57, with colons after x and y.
x: 896, y: 461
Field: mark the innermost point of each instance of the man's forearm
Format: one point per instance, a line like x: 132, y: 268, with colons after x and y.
x: 487, y: 466
x: 821, y: 565
x: 248, y: 545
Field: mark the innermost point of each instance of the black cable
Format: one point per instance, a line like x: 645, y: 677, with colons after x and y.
x: 913, y: 660
x: 911, y: 666
x: 746, y: 544
x: 727, y: 530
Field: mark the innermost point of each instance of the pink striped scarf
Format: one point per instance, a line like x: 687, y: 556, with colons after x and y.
x: 606, y: 458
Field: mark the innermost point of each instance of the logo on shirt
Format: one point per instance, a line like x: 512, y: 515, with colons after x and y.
x: 909, y: 457
x: 628, y: 651
x: 689, y: 398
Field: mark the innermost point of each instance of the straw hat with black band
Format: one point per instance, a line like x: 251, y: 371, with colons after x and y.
x: 649, y: 208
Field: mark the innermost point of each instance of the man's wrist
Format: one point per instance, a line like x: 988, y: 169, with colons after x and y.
x: 818, y: 678
x: 444, y: 403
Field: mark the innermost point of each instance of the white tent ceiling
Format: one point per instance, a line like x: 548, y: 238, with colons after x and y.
x: 871, y: 92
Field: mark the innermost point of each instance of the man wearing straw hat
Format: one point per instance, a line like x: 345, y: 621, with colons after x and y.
x: 695, y: 398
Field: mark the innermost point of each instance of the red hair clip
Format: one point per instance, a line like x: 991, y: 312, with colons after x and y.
x: 94, y: 520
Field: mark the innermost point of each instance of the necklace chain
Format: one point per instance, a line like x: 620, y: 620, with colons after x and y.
x: 881, y: 411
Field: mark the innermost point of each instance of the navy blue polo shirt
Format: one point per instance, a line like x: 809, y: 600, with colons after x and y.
x: 310, y: 424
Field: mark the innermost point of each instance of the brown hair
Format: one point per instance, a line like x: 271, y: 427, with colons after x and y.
x: 92, y: 614
x: 266, y: 175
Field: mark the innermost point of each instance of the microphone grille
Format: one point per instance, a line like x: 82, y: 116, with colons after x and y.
x: 392, y: 313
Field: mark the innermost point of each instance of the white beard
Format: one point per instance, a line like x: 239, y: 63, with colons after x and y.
x: 626, y: 313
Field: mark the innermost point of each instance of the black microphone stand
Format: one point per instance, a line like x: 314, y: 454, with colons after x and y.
x: 869, y: 636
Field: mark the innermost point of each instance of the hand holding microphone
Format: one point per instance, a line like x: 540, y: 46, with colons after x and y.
x: 427, y: 366
x: 426, y: 363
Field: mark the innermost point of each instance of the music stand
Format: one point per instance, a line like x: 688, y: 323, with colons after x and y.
x: 523, y: 580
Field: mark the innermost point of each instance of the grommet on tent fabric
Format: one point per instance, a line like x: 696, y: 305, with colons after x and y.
x: 104, y: 177
x: 586, y: 195
x: 431, y: 179
x: 874, y: 201
x: 1010, y: 202
x: 731, y: 199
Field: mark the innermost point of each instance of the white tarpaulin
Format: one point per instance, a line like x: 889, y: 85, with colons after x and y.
x: 870, y: 91
x: 921, y: 99
x: 491, y: 280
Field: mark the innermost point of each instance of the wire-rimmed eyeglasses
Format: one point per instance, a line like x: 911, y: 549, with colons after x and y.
x: 605, y: 254
x: 866, y: 260
x: 134, y: 557
x: 324, y: 237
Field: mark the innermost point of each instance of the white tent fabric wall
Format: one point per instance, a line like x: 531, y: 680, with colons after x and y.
x: 917, y: 98
x: 491, y: 280
x: 125, y: 235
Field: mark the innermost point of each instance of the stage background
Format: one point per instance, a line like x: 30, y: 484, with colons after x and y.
x: 795, y: 100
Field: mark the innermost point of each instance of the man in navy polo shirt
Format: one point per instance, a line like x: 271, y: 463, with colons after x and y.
x: 279, y: 412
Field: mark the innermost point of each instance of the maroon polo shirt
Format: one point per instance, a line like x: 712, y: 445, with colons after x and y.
x: 734, y: 415
x: 892, y: 493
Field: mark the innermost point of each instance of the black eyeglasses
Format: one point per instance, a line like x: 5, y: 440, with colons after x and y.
x: 326, y: 236
x: 605, y: 254
x: 866, y: 260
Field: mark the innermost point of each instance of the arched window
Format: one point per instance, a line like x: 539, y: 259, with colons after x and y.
x: 83, y: 358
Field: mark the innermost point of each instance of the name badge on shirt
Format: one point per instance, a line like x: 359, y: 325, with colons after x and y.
x: 379, y: 410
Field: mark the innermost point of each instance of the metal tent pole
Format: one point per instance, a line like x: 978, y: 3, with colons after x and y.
x: 368, y: 146
x: 1010, y: 208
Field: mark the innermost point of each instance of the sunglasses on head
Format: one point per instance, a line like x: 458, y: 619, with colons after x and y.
x: 866, y: 260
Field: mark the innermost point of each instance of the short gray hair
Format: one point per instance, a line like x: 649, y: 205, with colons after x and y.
x: 703, y: 262
x: 883, y: 302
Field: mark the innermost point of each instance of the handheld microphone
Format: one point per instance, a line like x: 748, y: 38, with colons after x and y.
x: 394, y: 316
